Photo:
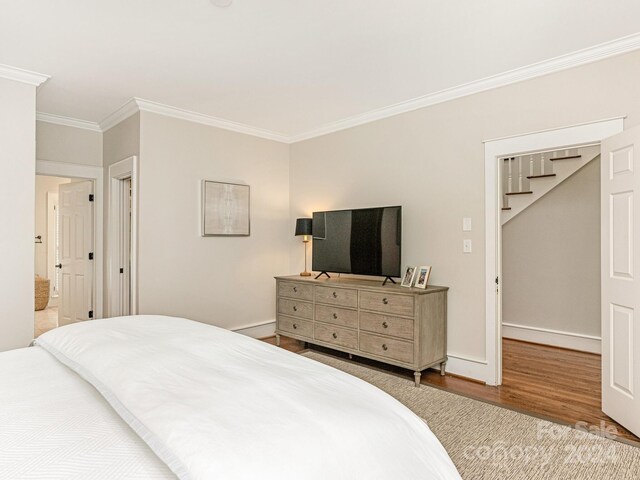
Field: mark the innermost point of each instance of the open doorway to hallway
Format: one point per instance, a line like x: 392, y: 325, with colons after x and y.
x: 64, y: 252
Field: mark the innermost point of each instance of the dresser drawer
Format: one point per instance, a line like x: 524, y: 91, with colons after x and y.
x: 387, y: 347
x: 337, y: 316
x: 387, y: 303
x: 295, y: 308
x: 334, y: 335
x: 299, y: 291
x: 295, y: 326
x: 386, y: 325
x: 345, y: 297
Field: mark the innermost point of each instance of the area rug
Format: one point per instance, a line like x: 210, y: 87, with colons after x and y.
x: 490, y: 442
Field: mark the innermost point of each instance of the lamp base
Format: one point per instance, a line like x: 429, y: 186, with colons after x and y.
x: 305, y: 274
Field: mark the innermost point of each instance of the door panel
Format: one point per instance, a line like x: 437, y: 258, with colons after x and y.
x: 76, y: 241
x: 620, y: 288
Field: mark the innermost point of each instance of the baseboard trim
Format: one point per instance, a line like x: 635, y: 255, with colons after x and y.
x: 262, y: 329
x: 556, y: 338
x: 470, y: 368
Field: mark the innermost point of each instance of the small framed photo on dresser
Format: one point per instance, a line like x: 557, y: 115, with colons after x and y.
x: 408, y: 277
x: 422, y: 275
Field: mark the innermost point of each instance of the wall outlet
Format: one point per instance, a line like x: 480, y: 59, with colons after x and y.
x: 466, y: 246
x: 466, y: 224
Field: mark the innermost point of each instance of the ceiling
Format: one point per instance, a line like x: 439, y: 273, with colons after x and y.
x: 287, y: 66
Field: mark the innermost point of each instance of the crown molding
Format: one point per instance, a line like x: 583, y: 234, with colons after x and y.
x: 24, y: 76
x: 122, y: 113
x: 68, y: 121
x: 563, y: 62
x: 581, y: 57
x: 168, y: 111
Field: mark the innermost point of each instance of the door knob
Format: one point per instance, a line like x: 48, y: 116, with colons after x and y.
x: 59, y: 265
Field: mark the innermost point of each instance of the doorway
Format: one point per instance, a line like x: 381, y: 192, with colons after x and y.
x: 122, y: 237
x: 64, y: 251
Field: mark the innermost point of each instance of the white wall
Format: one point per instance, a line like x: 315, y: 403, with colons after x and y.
x: 431, y: 161
x: 222, y: 281
x: 61, y: 143
x: 551, y: 260
x: 17, y: 194
x: 44, y: 185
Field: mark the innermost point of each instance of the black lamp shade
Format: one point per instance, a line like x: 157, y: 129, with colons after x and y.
x: 303, y: 226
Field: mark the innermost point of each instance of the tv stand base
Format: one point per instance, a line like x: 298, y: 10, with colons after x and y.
x: 388, y: 279
x: 322, y: 273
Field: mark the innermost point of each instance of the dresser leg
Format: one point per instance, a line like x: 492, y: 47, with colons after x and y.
x: 416, y: 376
x: 442, y: 367
x: 277, y: 340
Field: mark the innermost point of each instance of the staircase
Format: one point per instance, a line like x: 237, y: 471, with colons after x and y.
x: 527, y: 178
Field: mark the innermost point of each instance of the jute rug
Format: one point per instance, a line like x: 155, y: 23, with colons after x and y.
x: 489, y: 442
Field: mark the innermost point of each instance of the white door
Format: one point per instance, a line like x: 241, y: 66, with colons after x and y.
x: 76, y: 252
x: 620, y: 206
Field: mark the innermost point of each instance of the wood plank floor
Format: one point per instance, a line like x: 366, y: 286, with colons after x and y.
x: 548, y: 382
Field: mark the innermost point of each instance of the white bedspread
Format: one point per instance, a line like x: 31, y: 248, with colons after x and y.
x: 54, y: 425
x: 217, y: 405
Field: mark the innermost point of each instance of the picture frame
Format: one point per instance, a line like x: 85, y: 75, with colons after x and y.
x: 225, y: 209
x: 422, y: 276
x: 409, y: 276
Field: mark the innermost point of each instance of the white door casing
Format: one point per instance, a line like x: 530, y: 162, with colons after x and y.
x: 620, y: 192
x: 76, y: 245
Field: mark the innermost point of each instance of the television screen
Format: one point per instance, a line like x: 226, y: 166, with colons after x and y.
x: 366, y: 241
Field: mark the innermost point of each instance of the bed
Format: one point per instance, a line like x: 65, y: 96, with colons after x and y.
x: 159, y: 397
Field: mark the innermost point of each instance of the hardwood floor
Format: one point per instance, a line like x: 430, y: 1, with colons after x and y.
x: 548, y: 382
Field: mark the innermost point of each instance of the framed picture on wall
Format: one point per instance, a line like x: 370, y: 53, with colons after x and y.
x: 225, y: 209
x: 422, y: 276
x: 408, y: 277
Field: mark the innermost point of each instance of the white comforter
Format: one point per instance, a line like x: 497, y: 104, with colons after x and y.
x: 213, y: 404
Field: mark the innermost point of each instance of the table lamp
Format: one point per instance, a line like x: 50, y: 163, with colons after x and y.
x: 303, y: 227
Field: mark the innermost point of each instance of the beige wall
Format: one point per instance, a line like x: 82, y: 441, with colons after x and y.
x: 222, y: 281
x: 551, y: 258
x: 17, y: 194
x: 44, y: 185
x: 431, y: 161
x: 60, y: 143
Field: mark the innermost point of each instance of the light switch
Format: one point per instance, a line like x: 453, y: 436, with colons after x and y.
x: 466, y: 246
x: 466, y: 224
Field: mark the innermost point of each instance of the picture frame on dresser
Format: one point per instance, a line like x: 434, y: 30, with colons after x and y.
x: 408, y: 277
x: 390, y: 324
x: 422, y: 276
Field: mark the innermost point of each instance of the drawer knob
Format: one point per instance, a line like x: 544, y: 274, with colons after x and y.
x: 335, y: 316
x: 334, y: 335
x: 384, y: 347
x: 295, y: 326
x: 295, y: 309
x: 385, y: 301
x: 295, y: 289
x: 335, y: 295
x: 385, y: 325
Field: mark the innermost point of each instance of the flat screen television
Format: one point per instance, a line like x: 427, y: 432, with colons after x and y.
x: 366, y: 241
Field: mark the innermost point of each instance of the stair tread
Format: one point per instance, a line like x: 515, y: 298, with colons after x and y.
x: 542, y: 176
x: 565, y: 158
x: 518, y: 193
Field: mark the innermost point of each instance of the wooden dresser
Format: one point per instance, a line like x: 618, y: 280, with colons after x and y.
x: 401, y: 326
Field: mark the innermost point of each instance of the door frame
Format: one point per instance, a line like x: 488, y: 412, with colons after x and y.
x: 95, y: 174
x: 581, y: 134
x: 119, y: 171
